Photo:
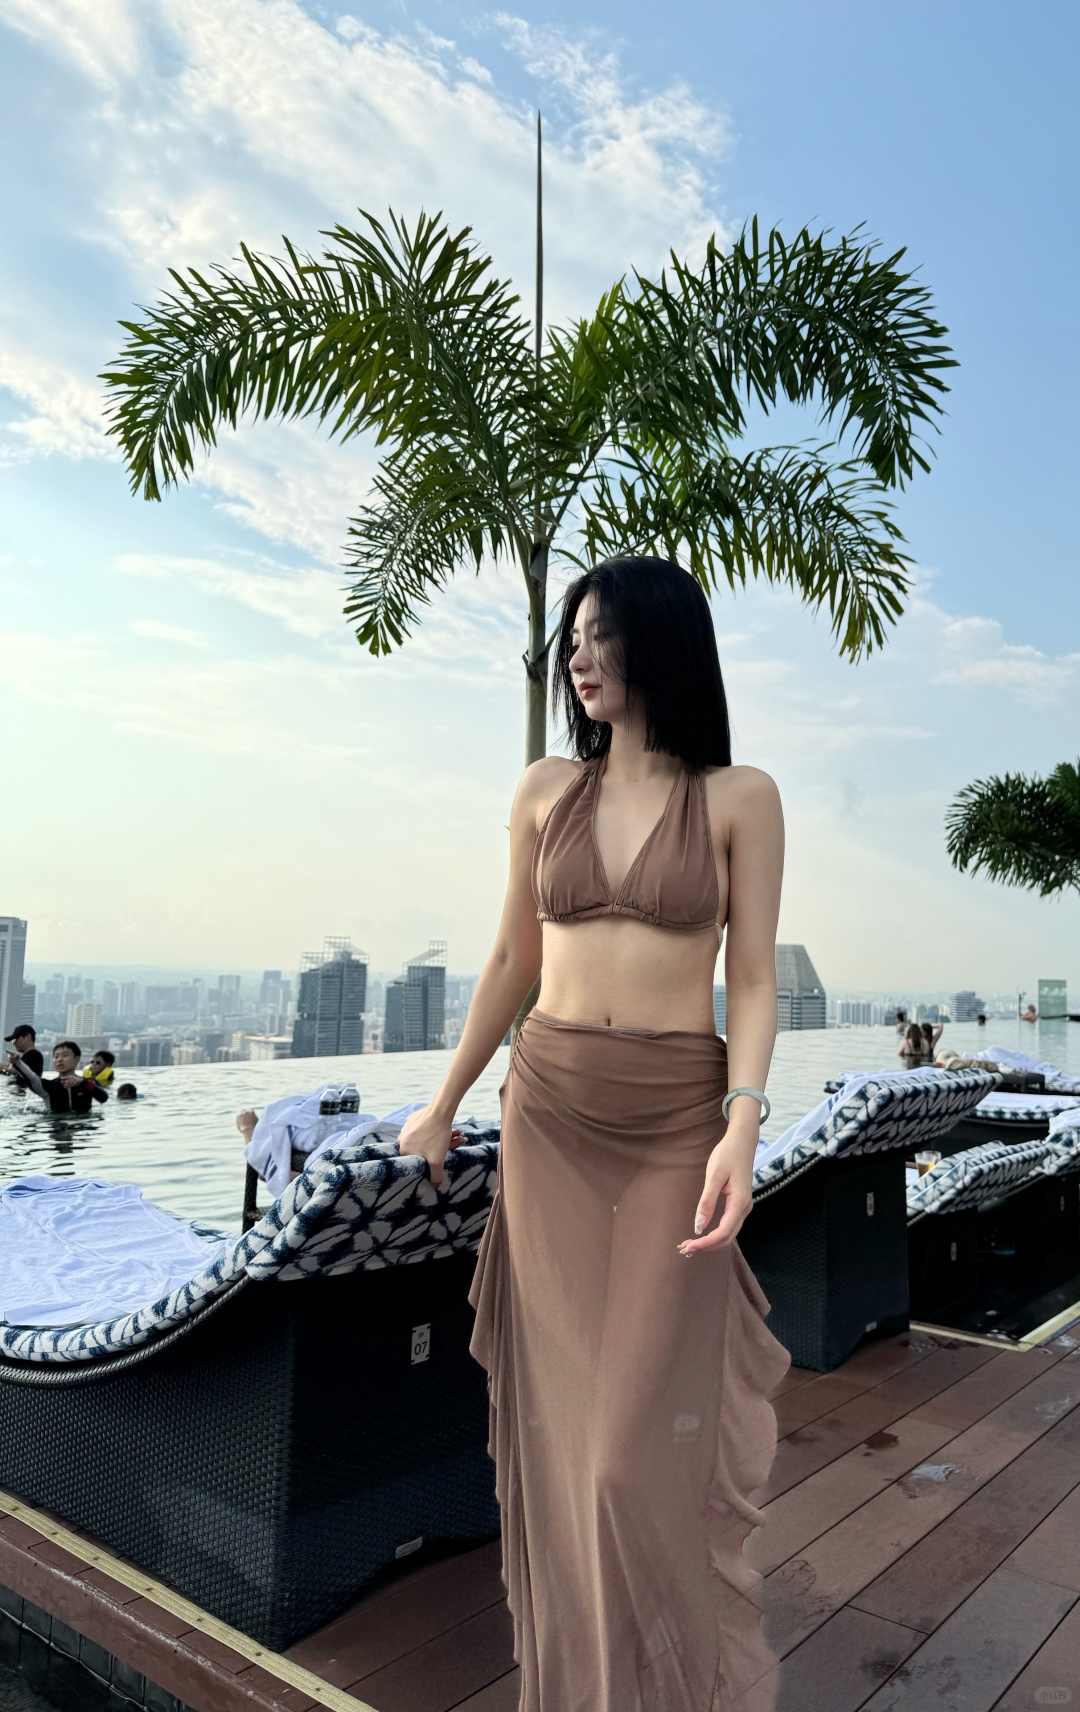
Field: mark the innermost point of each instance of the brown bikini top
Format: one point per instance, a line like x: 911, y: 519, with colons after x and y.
x: 671, y: 882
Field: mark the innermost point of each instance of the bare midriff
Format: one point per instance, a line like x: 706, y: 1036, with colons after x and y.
x: 614, y: 972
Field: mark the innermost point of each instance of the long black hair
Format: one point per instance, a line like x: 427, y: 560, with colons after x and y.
x: 660, y: 643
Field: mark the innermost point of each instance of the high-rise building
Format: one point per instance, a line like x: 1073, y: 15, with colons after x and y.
x: 29, y: 1002
x: 855, y: 1013
x: 270, y: 988
x: 719, y: 1008
x: 967, y: 1006
x: 151, y: 1049
x: 800, y: 996
x: 84, y: 1019
x: 12, y: 963
x: 416, y: 1003
x: 110, y: 999
x: 52, y: 999
x: 333, y: 990
x: 132, y: 1003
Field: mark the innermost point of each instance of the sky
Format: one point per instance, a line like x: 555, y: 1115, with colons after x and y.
x: 203, y: 767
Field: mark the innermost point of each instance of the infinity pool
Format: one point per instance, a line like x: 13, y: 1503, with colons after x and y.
x: 180, y: 1143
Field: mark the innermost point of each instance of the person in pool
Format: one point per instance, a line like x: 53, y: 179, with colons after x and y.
x: 100, y: 1068
x: 23, y: 1040
x: 65, y: 1091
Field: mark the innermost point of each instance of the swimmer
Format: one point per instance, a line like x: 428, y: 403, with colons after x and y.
x: 23, y: 1040
x: 100, y: 1068
x: 65, y: 1090
x: 127, y: 1091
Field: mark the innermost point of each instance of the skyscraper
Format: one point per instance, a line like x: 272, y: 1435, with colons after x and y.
x: 12, y: 962
x: 333, y: 990
x: 416, y: 1003
x: 800, y: 995
x: 84, y: 1019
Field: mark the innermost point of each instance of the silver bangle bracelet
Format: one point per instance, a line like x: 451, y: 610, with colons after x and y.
x: 758, y: 1094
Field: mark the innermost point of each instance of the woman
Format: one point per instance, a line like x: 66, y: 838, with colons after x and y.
x: 920, y: 1039
x: 623, y: 1332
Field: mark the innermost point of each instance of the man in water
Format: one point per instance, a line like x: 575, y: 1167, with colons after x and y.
x: 65, y: 1090
x: 23, y: 1039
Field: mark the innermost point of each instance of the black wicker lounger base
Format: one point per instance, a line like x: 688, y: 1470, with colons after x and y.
x: 298, y: 1439
x: 830, y: 1252
x: 1031, y: 1239
x: 943, y: 1264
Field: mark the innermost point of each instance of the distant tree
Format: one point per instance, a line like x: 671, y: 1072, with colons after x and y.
x: 1024, y: 832
x: 615, y: 434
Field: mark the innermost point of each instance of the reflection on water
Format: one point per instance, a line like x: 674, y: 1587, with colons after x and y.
x: 179, y: 1140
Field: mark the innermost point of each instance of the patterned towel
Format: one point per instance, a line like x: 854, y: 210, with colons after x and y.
x: 970, y: 1178
x: 356, y: 1206
x: 1063, y: 1144
x: 869, y: 1113
x: 1025, y: 1108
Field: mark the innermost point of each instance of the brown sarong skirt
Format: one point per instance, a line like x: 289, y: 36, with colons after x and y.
x: 630, y: 1421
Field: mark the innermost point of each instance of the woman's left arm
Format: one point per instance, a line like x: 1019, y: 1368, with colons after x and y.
x: 755, y: 835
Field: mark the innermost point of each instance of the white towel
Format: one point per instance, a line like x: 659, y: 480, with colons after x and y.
x: 74, y: 1250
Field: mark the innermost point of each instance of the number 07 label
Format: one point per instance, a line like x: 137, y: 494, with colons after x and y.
x: 421, y: 1343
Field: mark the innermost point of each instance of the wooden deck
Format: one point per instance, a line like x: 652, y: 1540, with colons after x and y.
x: 922, y: 1550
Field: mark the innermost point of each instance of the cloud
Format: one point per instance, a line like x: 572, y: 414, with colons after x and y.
x: 155, y: 632
x: 974, y: 651
x: 212, y: 123
x: 64, y: 414
x: 238, y: 707
x: 99, y: 37
x: 305, y: 601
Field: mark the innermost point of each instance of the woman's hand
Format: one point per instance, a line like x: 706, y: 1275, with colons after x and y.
x: 432, y: 1137
x: 729, y: 1173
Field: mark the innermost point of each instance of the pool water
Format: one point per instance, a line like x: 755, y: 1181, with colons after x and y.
x: 179, y: 1140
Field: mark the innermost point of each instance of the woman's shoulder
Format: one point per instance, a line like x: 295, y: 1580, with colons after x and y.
x: 543, y: 782
x: 550, y: 770
x: 740, y: 787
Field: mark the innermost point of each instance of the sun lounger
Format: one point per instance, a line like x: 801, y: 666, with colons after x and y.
x: 1008, y: 1117
x: 302, y: 1414
x: 1056, y: 1081
x: 827, y: 1237
x: 945, y: 1208
x: 1051, y: 1211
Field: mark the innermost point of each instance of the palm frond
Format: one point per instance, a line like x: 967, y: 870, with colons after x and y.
x: 430, y: 513
x: 1019, y: 830
x: 404, y: 331
x: 784, y: 514
x: 813, y: 319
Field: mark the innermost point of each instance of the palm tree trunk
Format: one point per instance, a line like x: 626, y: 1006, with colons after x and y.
x: 536, y: 660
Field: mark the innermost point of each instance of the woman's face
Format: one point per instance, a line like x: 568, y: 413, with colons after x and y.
x: 598, y: 688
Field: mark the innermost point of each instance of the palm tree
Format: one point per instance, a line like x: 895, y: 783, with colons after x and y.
x: 1024, y: 832
x: 616, y: 434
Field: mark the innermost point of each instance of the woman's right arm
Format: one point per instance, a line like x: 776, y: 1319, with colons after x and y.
x: 508, y: 975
